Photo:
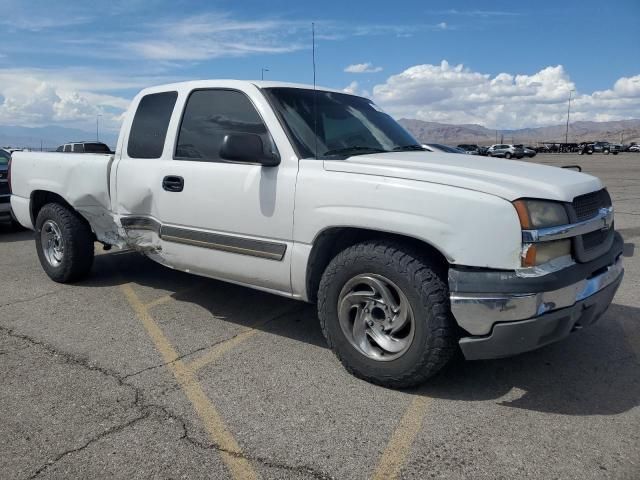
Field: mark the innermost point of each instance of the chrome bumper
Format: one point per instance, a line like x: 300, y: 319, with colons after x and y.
x: 477, y: 313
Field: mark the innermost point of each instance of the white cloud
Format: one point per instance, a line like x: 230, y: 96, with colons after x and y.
x: 216, y: 35
x: 455, y: 94
x: 36, y: 97
x: 352, y: 88
x: 362, y: 68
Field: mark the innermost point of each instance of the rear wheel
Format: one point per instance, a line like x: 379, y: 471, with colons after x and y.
x: 507, y: 155
x: 605, y: 151
x: 384, y: 311
x: 64, y: 243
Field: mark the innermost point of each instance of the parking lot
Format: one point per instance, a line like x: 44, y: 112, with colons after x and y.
x: 145, y: 372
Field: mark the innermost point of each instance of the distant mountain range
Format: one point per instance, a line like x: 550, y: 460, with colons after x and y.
x: 50, y: 136
x: 432, y: 132
x: 427, y: 132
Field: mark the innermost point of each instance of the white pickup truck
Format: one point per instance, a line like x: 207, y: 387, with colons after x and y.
x: 319, y: 196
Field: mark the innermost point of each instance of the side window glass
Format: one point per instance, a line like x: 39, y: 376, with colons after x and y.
x: 67, y: 148
x: 209, y: 116
x: 78, y: 148
x: 150, y: 123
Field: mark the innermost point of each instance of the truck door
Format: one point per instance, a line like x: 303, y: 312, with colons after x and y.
x: 217, y: 218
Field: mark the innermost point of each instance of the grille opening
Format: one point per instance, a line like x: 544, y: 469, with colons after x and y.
x: 587, y: 206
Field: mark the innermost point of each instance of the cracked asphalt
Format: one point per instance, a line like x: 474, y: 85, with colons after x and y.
x: 144, y: 372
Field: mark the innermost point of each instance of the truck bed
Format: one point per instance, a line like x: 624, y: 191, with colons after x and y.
x: 82, y: 180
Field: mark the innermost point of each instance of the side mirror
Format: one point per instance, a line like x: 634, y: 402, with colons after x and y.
x: 247, y: 148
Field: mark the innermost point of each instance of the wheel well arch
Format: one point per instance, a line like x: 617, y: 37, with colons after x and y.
x: 39, y: 198
x: 333, y: 240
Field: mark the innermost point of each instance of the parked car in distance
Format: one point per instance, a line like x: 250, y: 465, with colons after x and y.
x: 599, y: 147
x: 504, y: 150
x: 5, y: 196
x: 634, y: 148
x: 438, y: 147
x: 410, y: 256
x: 528, y: 151
x: 473, y: 149
x: 84, y: 147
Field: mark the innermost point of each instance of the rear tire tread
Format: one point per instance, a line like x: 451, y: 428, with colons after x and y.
x: 78, y: 243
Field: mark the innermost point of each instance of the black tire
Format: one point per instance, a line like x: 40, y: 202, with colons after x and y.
x: 507, y: 155
x: 77, y: 241
x: 589, y: 152
x: 434, y: 341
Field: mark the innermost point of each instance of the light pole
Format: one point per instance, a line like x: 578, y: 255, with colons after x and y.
x: 97, y: 127
x: 566, y: 133
x: 262, y: 70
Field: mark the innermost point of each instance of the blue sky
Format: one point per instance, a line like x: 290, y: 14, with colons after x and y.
x: 502, y: 64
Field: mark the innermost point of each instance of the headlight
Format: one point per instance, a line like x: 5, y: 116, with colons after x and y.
x: 534, y: 214
x: 540, y: 214
x: 538, y: 253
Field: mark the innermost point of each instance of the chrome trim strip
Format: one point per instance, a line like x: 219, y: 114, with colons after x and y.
x: 141, y: 223
x: 478, y: 312
x: 214, y: 241
x: 602, y: 221
x: 227, y: 243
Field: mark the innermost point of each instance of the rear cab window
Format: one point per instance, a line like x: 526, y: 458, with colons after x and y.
x: 150, y: 124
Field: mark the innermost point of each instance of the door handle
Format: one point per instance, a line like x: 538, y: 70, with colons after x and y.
x: 173, y: 183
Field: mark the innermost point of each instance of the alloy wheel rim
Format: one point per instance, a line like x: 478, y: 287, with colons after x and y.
x: 376, y: 317
x: 52, y: 243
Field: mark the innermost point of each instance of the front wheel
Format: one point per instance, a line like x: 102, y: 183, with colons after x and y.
x: 507, y: 155
x: 605, y: 151
x: 384, y: 310
x: 64, y: 243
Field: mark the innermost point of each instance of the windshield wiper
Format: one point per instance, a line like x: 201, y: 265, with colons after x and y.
x: 407, y: 148
x: 355, y: 150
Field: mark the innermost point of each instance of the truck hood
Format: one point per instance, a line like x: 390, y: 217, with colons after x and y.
x: 509, y: 179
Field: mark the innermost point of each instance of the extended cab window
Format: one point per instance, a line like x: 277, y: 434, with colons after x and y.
x: 149, y: 128
x: 78, y: 148
x: 212, y: 114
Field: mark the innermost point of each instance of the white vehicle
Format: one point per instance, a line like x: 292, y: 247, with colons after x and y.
x: 634, y: 148
x: 505, y: 150
x: 319, y: 196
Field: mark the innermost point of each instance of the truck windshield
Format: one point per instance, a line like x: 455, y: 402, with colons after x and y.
x: 344, y: 125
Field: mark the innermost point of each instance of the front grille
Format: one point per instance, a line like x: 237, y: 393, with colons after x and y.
x: 591, y: 245
x: 593, y: 240
x: 587, y: 206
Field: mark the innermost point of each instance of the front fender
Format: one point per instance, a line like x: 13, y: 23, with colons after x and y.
x: 468, y: 227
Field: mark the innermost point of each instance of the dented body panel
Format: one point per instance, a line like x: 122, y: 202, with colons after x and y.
x: 83, y: 181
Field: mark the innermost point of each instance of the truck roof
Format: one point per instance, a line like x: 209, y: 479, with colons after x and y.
x: 230, y: 83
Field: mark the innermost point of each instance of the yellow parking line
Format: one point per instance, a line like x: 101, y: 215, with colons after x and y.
x: 400, y: 443
x: 167, y: 298
x: 239, y: 467
x: 220, y: 349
